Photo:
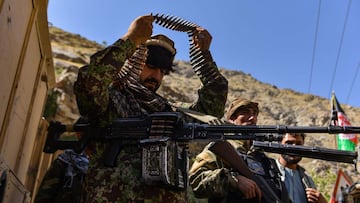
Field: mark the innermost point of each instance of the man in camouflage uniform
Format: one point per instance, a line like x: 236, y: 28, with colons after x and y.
x: 212, y: 174
x: 119, y: 83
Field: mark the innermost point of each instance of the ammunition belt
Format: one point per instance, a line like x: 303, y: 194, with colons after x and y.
x: 197, y: 59
x: 132, y: 67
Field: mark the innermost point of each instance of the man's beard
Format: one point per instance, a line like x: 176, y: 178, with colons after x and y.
x: 154, y: 84
x: 291, y: 159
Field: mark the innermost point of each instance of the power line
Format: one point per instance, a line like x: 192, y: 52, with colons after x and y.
x: 314, y: 46
x: 353, y: 82
x: 340, y: 46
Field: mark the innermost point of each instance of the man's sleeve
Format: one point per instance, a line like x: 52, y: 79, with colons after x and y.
x: 207, y: 180
x: 92, y: 85
x: 211, y: 183
x: 213, y: 94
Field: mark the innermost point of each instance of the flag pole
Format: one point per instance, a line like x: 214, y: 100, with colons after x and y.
x: 333, y: 116
x: 334, y: 121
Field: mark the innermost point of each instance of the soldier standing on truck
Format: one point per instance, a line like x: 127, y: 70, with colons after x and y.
x: 120, y: 82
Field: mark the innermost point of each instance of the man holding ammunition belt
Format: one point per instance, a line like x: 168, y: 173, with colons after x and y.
x: 232, y: 171
x: 121, y: 82
x: 300, y: 186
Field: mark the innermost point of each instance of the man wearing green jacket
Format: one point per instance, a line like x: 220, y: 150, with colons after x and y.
x: 121, y: 82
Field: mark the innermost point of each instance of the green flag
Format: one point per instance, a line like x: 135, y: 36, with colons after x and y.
x: 344, y: 141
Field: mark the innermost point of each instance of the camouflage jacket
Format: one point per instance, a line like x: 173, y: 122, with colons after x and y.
x: 103, y: 96
x: 210, y: 177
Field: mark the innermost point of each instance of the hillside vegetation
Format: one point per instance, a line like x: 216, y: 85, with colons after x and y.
x: 277, y: 106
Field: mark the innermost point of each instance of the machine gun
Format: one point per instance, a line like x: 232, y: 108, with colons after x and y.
x: 164, y: 126
x: 157, y: 126
x: 163, y: 132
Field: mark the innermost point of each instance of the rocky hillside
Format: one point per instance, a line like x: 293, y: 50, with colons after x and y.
x: 277, y: 106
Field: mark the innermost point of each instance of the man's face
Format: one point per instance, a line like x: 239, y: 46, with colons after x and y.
x: 151, y: 77
x: 292, y: 140
x: 245, y: 116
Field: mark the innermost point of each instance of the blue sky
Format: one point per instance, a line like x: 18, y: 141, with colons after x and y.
x: 274, y: 41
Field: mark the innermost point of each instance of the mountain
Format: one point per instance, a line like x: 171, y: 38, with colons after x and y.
x: 277, y: 106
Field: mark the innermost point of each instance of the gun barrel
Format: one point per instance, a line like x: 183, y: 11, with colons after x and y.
x: 171, y: 126
x: 309, y: 152
x: 281, y: 129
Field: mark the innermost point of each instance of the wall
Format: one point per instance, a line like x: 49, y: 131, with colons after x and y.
x: 26, y: 74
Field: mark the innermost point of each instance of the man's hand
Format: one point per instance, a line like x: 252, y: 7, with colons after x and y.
x: 227, y: 152
x: 202, y: 39
x: 140, y: 29
x: 248, y: 187
x: 314, y: 196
